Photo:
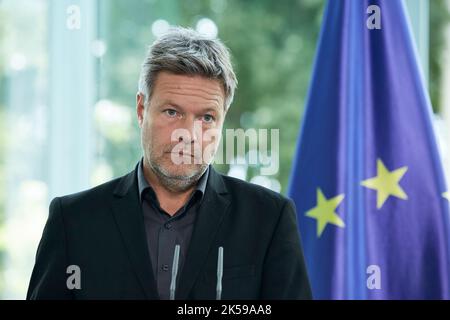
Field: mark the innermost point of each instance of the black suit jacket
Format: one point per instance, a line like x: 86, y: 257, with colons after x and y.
x: 101, y: 231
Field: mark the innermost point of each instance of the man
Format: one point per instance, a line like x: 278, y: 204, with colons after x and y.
x: 174, y: 227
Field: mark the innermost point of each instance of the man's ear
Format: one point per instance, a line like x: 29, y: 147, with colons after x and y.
x: 140, y: 108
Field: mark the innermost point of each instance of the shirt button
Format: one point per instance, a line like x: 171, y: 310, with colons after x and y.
x: 168, y: 226
x: 165, y: 267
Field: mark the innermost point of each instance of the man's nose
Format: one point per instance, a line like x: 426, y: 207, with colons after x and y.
x: 194, y: 128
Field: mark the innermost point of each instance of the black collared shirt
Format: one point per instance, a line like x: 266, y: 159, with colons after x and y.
x: 164, y: 231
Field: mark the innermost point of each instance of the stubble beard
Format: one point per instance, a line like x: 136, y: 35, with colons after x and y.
x: 174, y: 182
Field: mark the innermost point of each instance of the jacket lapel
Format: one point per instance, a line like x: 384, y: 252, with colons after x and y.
x: 130, y: 221
x: 209, y: 217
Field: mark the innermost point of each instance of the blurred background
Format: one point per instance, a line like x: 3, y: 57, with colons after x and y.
x: 68, y: 79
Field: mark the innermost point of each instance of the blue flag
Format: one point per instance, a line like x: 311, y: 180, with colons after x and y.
x: 367, y: 179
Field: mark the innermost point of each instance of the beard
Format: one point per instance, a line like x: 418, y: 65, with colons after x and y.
x: 172, y: 176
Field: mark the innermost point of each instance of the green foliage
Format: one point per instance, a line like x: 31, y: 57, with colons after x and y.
x: 272, y: 44
x: 439, y: 19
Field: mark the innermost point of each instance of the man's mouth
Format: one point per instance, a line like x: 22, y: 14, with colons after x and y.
x: 182, y: 154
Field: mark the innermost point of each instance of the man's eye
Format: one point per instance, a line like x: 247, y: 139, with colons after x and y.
x: 208, y: 118
x: 171, y: 113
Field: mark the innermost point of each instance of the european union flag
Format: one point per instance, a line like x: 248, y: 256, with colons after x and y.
x: 367, y: 179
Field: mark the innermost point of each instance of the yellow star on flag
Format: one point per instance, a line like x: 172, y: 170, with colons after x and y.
x: 386, y: 183
x: 324, y: 212
x: 446, y: 195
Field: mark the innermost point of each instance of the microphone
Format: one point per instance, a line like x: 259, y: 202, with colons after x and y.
x: 173, y: 280
x: 219, y: 274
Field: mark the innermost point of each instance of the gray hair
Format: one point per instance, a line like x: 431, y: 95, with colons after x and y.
x: 185, y: 51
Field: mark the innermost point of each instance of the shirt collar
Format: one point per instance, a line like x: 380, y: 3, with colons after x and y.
x: 143, y: 185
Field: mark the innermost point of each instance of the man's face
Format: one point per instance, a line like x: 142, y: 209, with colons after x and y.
x: 176, y: 126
